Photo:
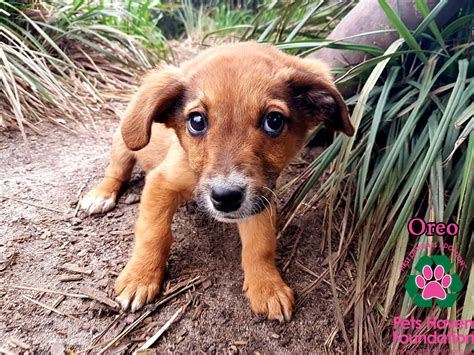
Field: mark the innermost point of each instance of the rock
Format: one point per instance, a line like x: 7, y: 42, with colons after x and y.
x: 45, y: 235
x: 75, y: 221
x: 57, y: 349
x: 207, y: 284
x: 82, y: 252
x: 132, y: 198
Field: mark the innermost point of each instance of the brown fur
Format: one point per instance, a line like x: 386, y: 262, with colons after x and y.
x: 234, y: 85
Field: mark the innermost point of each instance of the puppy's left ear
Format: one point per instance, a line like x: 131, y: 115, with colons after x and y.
x: 313, y: 90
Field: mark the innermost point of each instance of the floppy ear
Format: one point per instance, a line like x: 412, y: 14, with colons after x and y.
x: 313, y: 90
x: 155, y: 98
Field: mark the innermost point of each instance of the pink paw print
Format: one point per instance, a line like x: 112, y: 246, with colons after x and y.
x: 435, y: 288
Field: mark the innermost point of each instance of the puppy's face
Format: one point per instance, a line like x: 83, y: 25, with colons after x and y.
x: 241, y: 112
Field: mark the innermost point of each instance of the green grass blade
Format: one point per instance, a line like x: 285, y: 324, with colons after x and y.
x: 403, y: 30
x: 303, y: 22
x: 430, y: 20
x: 468, y: 307
x: 456, y: 25
x: 425, y: 166
x: 373, y: 132
x: 466, y: 200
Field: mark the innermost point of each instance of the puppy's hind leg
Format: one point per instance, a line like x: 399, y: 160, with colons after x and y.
x: 103, y: 197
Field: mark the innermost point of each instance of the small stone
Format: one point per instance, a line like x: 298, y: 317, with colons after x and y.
x: 114, y: 214
x: 75, y: 268
x: 57, y: 349
x: 45, y: 235
x: 131, y: 199
x: 70, y: 278
x: 75, y: 221
x: 82, y: 252
x: 206, y: 284
x: 182, y: 332
x: 274, y: 336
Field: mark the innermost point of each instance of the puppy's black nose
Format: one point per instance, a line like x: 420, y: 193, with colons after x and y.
x: 227, y: 199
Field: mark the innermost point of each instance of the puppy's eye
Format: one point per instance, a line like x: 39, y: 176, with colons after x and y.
x: 273, y: 123
x: 197, y: 124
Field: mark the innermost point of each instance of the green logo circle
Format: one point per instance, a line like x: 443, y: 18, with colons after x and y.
x: 416, y: 284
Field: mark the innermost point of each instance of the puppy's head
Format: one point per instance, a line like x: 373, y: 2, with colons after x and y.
x: 241, y: 112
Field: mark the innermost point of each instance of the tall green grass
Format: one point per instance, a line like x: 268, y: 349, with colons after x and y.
x: 412, y: 156
x: 210, y: 17
x: 289, y: 21
x: 58, y: 59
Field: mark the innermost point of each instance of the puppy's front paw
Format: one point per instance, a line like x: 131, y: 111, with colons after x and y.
x: 98, y: 201
x: 135, y: 287
x: 271, y: 297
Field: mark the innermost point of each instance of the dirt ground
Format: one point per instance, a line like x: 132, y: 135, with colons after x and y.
x: 45, y: 243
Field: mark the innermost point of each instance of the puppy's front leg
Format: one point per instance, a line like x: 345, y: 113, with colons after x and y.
x: 165, y: 188
x: 263, y: 285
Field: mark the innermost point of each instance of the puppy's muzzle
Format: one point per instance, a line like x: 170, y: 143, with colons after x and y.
x: 227, y: 199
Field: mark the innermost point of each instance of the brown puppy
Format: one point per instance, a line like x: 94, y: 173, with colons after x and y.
x: 220, y: 128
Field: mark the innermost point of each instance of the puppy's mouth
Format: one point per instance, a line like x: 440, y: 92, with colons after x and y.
x: 252, y: 204
x: 255, y: 208
x: 232, y: 197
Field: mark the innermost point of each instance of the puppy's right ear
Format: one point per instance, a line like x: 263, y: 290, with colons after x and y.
x: 155, y: 98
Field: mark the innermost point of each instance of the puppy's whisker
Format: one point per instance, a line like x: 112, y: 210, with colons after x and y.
x: 270, y: 207
x: 272, y: 192
x: 265, y: 203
